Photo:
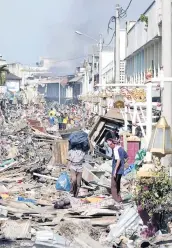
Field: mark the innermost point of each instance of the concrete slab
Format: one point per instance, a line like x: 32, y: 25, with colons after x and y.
x: 89, y: 176
x: 13, y: 230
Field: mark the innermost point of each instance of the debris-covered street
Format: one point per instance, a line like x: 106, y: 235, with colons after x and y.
x: 86, y: 124
x: 37, y: 209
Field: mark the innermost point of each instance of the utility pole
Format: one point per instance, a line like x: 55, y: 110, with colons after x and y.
x: 149, y: 118
x: 100, y: 46
x: 100, y: 58
x: 59, y: 90
x: 93, y: 71
x: 87, y: 76
x: 117, y: 47
x: 166, y: 58
x: 167, y: 63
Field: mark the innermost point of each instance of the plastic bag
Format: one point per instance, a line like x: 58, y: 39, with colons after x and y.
x: 63, y: 182
x: 129, y: 169
x: 139, y: 157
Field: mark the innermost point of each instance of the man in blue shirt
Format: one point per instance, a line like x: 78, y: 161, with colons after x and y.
x: 119, y: 158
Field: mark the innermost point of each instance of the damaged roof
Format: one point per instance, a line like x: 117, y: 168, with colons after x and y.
x: 115, y: 114
x: 10, y: 77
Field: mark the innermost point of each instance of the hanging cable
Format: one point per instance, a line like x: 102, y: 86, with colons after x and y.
x: 112, y: 19
x: 123, y: 13
x: 111, y: 38
x: 128, y: 5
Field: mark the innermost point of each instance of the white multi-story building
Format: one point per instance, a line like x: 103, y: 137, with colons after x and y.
x: 144, y: 44
x: 107, y: 65
x: 47, y: 62
x: 16, y: 69
x: 26, y: 73
x: 108, y: 68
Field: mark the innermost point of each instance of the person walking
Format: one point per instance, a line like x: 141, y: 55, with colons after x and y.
x: 76, y: 159
x: 65, y: 121
x: 120, y: 157
x: 52, y: 112
x: 60, y: 121
x: 51, y: 119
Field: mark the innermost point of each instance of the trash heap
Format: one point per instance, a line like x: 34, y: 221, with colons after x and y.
x: 35, y: 213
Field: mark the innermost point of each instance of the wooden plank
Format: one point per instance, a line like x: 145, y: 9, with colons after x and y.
x: 60, y: 151
x: 103, y: 221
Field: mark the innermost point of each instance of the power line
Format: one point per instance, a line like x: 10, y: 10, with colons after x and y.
x: 123, y: 13
x: 128, y: 5
x: 111, y: 39
x: 112, y: 19
x: 59, y: 61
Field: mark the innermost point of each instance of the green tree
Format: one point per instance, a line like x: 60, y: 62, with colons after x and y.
x: 3, y: 71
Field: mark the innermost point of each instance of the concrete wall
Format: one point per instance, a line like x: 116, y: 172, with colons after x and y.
x: 122, y: 44
x: 13, y: 85
x: 25, y: 71
x: 144, y: 45
x: 108, y: 68
x: 107, y: 57
x: 138, y: 35
x: 16, y: 69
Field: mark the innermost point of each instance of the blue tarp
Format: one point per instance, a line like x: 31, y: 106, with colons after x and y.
x: 79, y: 138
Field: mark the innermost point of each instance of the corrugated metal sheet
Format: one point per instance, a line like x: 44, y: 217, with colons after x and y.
x: 76, y: 90
x: 49, y: 239
x: 75, y: 79
x: 128, y: 223
x: 52, y: 90
x: 20, y: 229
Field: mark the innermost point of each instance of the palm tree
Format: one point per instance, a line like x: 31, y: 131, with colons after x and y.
x: 3, y: 71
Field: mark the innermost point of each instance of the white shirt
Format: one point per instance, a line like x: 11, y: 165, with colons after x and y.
x: 116, y: 153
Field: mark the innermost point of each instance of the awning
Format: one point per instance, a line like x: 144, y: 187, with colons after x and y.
x: 75, y: 79
x: 11, y: 77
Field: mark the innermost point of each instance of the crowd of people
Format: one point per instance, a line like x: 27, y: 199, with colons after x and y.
x: 59, y: 118
x: 67, y: 117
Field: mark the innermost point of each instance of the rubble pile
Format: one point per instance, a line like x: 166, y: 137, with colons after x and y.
x: 33, y: 213
x: 27, y: 188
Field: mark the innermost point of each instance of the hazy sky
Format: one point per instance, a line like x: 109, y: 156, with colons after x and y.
x: 34, y: 28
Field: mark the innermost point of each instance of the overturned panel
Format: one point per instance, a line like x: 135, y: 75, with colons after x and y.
x: 13, y: 230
